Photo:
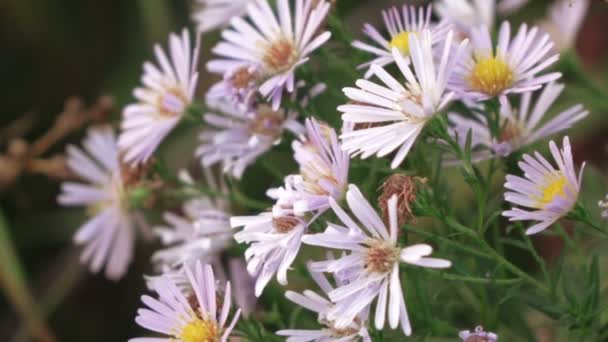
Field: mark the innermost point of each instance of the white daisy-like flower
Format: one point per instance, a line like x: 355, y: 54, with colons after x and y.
x: 549, y: 192
x: 373, y: 263
x: 108, y: 236
x: 188, y: 315
x: 512, y: 67
x: 393, y: 114
x: 411, y: 20
x: 201, y: 233
x: 478, y: 335
x: 323, y: 173
x: 240, y: 135
x: 564, y: 21
x: 275, y: 45
x: 356, y: 331
x: 274, y: 243
x: 467, y: 14
x: 212, y: 14
x: 167, y: 92
x: 519, y: 127
x: 604, y: 206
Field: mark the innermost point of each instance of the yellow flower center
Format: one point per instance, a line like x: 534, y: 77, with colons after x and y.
x: 491, y: 76
x: 200, y: 331
x: 401, y: 42
x: 554, y: 188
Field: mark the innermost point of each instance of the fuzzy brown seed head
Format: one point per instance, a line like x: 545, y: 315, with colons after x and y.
x: 284, y: 224
x: 405, y: 188
x: 380, y: 257
x: 510, y: 131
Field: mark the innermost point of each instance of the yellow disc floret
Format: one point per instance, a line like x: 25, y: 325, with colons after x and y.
x: 556, y: 186
x: 401, y: 42
x: 491, y: 76
x: 200, y: 330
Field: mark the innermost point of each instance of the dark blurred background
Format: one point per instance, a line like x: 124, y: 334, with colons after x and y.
x: 54, y: 50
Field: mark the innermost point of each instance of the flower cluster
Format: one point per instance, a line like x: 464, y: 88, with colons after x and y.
x: 427, y: 86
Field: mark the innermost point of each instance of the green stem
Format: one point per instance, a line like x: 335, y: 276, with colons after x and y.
x: 513, y: 268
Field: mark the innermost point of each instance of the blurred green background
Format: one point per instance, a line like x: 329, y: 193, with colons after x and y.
x: 51, y: 50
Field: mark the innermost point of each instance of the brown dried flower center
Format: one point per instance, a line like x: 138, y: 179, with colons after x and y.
x: 284, y: 224
x: 267, y: 121
x: 380, y: 257
x: 242, y: 78
x: 511, y: 131
x: 280, y: 55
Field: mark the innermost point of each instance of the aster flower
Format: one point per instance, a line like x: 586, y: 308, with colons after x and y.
x: 467, y: 14
x: 395, y: 114
x: 212, y: 14
x: 274, y: 243
x: 604, y: 206
x: 201, y: 233
x: 277, y: 46
x: 240, y: 134
x: 108, y: 236
x: 238, y: 86
x: 519, y: 127
x: 373, y: 263
x: 166, y: 94
x: 323, y: 173
x: 564, y: 21
x: 478, y: 335
x: 400, y: 25
x: 549, y: 192
x: 512, y: 67
x: 321, y: 305
x: 188, y: 315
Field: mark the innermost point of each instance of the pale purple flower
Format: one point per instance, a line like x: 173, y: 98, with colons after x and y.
x: 192, y: 314
x: 520, y: 126
x: 478, y: 335
x: 108, y: 236
x: 512, y: 66
x: 238, y: 86
x: 244, y: 285
x: 323, y: 173
x: 200, y: 233
x: 468, y: 14
x: 373, y: 263
x: 167, y: 92
x: 549, y: 192
x: 238, y: 136
x: 274, y: 243
x: 604, y: 206
x: 564, y: 21
x: 391, y: 115
x: 276, y: 45
x: 356, y: 331
x: 411, y: 20
x: 212, y: 14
